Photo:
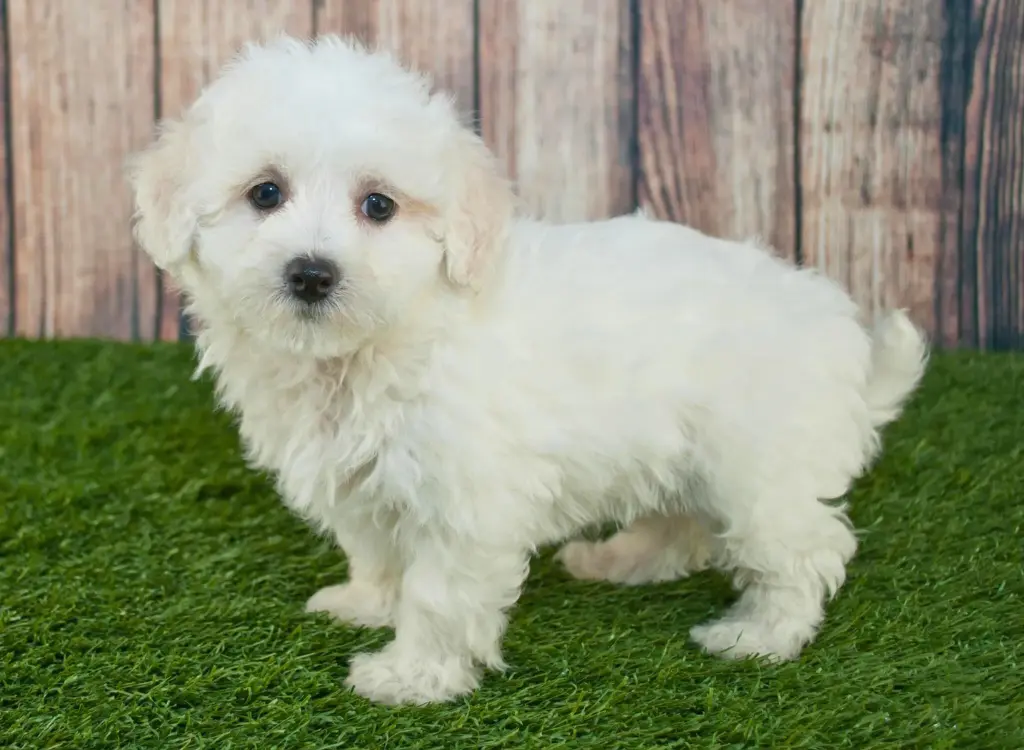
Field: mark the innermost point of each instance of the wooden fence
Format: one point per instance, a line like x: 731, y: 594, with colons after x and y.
x: 881, y: 140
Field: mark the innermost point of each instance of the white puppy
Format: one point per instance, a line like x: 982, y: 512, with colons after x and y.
x: 446, y: 387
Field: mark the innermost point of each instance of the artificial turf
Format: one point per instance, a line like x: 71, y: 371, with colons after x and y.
x: 151, y: 593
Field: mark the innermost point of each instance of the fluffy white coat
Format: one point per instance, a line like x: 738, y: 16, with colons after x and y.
x: 481, y: 384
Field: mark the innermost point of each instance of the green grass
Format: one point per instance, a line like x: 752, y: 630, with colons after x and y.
x: 151, y: 593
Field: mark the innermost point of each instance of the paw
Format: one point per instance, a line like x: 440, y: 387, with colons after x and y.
x: 356, y: 603
x: 587, y: 561
x: 391, y: 678
x: 740, y: 638
x: 617, y: 561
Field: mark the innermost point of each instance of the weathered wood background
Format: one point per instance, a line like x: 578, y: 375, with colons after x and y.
x: 881, y: 140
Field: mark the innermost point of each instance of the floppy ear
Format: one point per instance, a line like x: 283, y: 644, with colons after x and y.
x: 164, y: 223
x: 479, y: 212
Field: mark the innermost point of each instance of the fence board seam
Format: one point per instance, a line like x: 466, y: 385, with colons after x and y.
x: 636, y: 37
x: 798, y: 86
x: 477, y: 118
x: 8, y: 177
x: 158, y: 67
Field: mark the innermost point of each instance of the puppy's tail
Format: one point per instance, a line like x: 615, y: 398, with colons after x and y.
x: 899, y: 355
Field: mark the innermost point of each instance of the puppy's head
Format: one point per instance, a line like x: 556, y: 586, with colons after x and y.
x: 317, y: 194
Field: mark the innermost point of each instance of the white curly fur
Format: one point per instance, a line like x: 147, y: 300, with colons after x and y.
x: 483, y: 383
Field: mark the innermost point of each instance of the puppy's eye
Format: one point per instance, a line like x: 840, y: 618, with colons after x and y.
x: 378, y: 207
x: 266, y: 196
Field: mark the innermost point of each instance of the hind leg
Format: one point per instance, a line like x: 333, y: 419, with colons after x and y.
x: 652, y: 549
x: 786, y: 565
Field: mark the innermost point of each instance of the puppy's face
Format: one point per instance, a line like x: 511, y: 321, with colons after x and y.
x: 315, y: 196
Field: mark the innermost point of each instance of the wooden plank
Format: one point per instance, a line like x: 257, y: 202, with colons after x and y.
x: 81, y: 99
x: 993, y: 219
x: 434, y: 36
x: 557, y: 102
x: 716, y: 117
x: 196, y: 38
x: 952, y: 268
x: 871, y: 140
x: 6, y: 205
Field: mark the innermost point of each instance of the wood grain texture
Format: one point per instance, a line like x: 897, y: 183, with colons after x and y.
x: 992, y: 297
x: 871, y: 148
x: 196, y: 38
x: 716, y: 117
x: 557, y: 102
x: 434, y: 36
x: 81, y: 99
x: 6, y: 205
x: 951, y: 264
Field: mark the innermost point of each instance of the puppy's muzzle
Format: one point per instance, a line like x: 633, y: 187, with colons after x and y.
x: 311, y: 279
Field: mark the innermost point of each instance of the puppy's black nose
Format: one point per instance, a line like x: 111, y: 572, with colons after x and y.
x: 311, y: 279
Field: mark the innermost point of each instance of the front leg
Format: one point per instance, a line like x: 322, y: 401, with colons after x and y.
x: 451, y: 617
x: 370, y: 596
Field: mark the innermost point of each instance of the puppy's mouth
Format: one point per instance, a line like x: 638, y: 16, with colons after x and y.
x: 313, y: 312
